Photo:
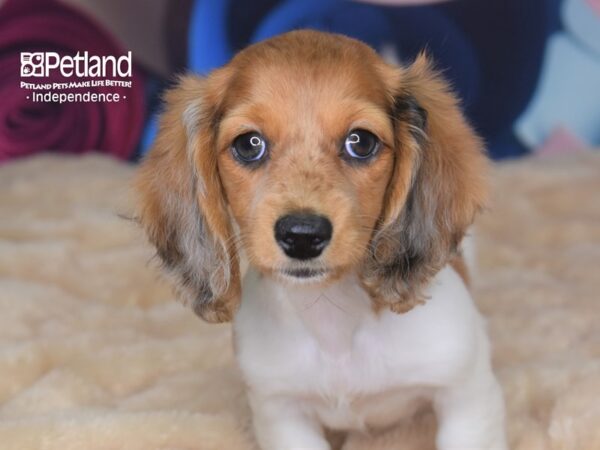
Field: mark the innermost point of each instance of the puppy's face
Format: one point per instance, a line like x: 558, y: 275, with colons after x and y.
x: 305, y: 154
x: 316, y: 158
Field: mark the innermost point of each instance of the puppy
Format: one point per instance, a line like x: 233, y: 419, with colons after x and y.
x: 347, y: 183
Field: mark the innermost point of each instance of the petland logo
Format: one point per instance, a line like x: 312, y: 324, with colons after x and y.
x: 42, y: 64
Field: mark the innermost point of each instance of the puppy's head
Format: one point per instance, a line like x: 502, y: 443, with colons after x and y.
x: 316, y: 158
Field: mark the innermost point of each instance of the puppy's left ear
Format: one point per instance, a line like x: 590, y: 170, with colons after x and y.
x: 182, y: 206
x: 437, y: 186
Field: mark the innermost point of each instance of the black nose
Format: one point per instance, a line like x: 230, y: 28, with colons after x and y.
x: 303, y: 236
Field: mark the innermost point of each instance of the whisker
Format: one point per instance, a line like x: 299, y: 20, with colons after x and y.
x: 312, y: 304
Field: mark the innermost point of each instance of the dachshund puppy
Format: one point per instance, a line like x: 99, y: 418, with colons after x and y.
x: 347, y: 183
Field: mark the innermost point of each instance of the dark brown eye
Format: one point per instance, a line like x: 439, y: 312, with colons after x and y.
x: 249, y: 147
x: 360, y: 144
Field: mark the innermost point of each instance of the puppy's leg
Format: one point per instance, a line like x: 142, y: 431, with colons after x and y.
x: 280, y: 424
x: 471, y: 413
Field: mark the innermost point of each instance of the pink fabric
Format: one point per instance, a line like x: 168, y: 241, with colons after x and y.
x: 595, y: 5
x: 404, y: 2
x: 561, y: 141
x: 27, y: 127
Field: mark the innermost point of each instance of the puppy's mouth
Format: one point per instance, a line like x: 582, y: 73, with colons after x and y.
x: 304, y: 274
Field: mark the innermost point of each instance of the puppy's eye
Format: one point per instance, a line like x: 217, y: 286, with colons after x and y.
x: 249, y: 147
x: 361, y: 144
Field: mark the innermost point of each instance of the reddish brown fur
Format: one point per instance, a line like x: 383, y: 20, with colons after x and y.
x: 297, y: 98
x: 304, y: 91
x: 460, y: 267
x: 448, y: 187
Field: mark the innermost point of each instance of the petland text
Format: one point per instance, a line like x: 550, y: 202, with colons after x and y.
x: 42, y: 64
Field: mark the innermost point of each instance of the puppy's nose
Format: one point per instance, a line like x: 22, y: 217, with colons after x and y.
x: 303, y: 236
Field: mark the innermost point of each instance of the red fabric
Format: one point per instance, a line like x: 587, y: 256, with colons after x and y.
x: 27, y: 127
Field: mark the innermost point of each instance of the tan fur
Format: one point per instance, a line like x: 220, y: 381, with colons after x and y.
x: 396, y: 220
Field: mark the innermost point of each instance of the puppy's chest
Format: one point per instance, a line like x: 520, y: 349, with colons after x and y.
x: 355, y: 388
x: 341, y: 368
x: 331, y: 351
x: 319, y: 336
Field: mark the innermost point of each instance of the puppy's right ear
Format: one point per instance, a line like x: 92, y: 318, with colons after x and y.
x: 437, y: 188
x: 181, y: 202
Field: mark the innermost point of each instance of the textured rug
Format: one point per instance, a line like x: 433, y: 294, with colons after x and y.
x: 96, y: 354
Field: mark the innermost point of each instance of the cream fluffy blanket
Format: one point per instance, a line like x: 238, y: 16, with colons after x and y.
x: 96, y: 354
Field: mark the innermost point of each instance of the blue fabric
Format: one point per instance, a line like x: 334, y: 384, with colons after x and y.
x: 401, y: 28
x: 568, y: 94
x: 209, y: 46
x: 509, y: 37
x: 153, y: 89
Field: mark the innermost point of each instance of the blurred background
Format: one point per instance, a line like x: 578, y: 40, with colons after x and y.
x: 94, y: 351
x: 527, y: 71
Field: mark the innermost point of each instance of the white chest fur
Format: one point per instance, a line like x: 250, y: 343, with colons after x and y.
x: 326, y: 349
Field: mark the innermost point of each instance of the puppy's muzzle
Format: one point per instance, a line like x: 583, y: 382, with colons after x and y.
x: 303, y: 236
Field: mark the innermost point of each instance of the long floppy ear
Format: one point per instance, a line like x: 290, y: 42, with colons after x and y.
x: 181, y: 203
x: 437, y: 186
